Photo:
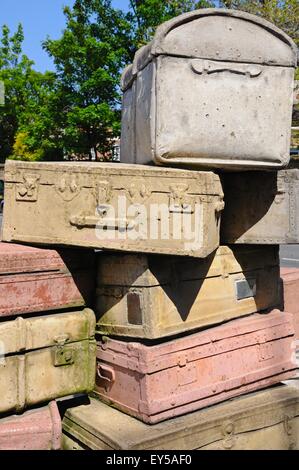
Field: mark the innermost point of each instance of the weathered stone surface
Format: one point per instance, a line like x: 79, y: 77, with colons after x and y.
x: 46, y: 357
x: 38, y: 429
x: 261, y: 207
x: 145, y: 296
x: 39, y: 280
x: 154, y: 383
x: 113, y: 206
x: 214, y: 89
x: 264, y: 420
x: 290, y: 286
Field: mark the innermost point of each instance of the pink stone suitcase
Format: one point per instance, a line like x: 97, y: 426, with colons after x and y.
x: 36, y: 279
x: 38, y: 429
x: 290, y: 281
x: 154, y: 383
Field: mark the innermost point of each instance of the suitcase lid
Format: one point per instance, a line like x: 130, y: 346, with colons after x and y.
x: 69, y: 177
x: 220, y: 35
x: 16, y: 259
x: 137, y: 270
x: 60, y: 329
x: 98, y: 422
x: 258, y: 328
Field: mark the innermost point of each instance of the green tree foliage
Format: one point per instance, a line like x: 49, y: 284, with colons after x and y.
x: 88, y: 58
x: 145, y: 15
x: 15, y: 72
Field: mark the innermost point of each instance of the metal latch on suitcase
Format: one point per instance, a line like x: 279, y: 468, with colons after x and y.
x: 64, y: 354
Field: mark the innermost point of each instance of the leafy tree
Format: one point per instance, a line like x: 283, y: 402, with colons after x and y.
x: 15, y: 72
x: 145, y: 15
x: 88, y: 58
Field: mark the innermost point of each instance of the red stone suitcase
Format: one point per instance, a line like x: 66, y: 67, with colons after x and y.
x: 38, y: 429
x: 154, y: 383
x: 290, y: 281
x: 36, y: 279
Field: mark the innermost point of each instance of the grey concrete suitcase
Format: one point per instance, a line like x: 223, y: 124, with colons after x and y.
x: 261, y: 207
x: 144, y: 296
x: 47, y: 357
x: 113, y: 206
x: 214, y: 89
x: 265, y: 420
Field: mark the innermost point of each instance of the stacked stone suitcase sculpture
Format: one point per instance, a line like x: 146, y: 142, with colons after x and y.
x: 185, y: 319
x: 46, y: 339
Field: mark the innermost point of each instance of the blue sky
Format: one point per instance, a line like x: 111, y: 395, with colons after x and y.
x: 39, y: 18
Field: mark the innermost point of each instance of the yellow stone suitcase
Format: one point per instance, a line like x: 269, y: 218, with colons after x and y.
x: 149, y: 296
x: 113, y: 206
x: 47, y: 357
x: 264, y: 420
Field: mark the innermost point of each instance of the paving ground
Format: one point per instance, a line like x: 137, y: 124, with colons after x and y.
x: 289, y: 256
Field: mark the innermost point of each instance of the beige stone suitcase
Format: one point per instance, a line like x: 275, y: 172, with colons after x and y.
x: 144, y: 296
x: 214, y: 89
x: 113, y: 206
x: 261, y: 207
x: 265, y: 420
x: 46, y: 357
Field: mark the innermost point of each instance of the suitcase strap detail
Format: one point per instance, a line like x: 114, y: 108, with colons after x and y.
x: 204, y: 67
x: 96, y: 221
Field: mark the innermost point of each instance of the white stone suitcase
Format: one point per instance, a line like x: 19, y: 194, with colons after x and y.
x: 214, y: 89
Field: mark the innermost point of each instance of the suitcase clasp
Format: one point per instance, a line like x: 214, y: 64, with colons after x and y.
x: 64, y: 355
x: 178, y: 202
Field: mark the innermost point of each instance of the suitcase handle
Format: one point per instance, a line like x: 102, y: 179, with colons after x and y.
x: 201, y: 67
x: 110, y: 377
x: 93, y: 222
